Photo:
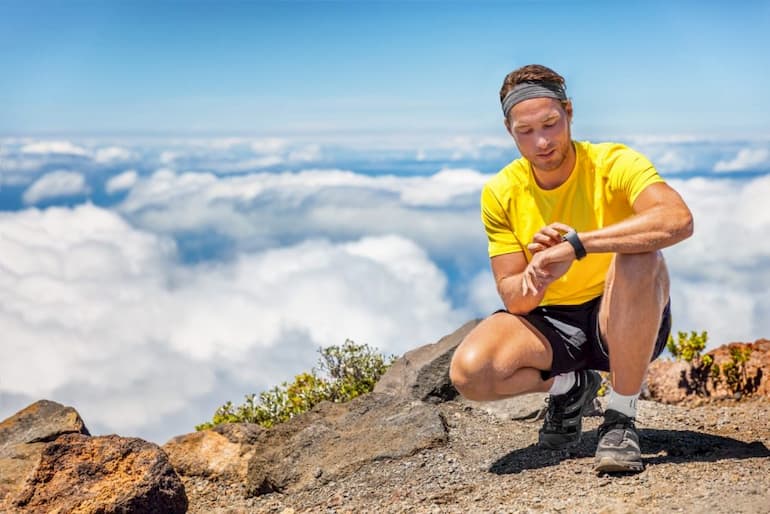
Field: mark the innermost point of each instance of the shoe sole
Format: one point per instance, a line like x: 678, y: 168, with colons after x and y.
x: 611, y: 465
x: 571, y: 444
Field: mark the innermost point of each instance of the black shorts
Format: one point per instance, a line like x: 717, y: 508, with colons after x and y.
x: 573, y: 332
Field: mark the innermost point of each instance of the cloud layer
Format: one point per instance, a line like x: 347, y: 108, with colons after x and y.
x: 103, y: 316
x: 202, y: 270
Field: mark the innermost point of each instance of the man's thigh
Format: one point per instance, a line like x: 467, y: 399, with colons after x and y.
x: 505, y: 342
x: 572, y: 333
x: 637, y: 295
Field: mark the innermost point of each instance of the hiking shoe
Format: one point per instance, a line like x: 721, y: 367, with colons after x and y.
x: 618, y: 448
x: 563, y: 424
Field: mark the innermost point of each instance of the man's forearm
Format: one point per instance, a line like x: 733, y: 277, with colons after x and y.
x: 510, y: 290
x: 649, y: 231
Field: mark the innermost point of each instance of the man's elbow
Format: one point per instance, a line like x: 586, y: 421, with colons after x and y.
x: 685, y: 225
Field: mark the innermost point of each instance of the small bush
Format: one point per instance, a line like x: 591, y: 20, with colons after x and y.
x: 734, y: 371
x: 346, y: 372
x: 687, y: 347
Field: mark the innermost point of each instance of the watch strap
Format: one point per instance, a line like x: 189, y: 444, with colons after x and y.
x: 572, y: 238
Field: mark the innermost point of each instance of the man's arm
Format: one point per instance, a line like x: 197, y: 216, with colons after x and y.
x: 508, y: 270
x: 661, y: 219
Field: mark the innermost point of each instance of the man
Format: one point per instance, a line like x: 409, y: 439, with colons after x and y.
x: 575, y: 231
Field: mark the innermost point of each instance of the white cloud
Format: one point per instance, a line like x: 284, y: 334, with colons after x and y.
x: 225, y: 143
x: 483, y: 298
x: 721, y: 276
x: 306, y: 153
x: 266, y: 209
x: 270, y: 145
x: 112, y: 154
x: 168, y: 157
x: 122, y: 182
x: 673, y: 161
x: 441, y: 188
x: 746, y: 159
x: 18, y: 170
x: 56, y: 184
x: 250, y: 164
x: 101, y: 315
x: 54, y: 147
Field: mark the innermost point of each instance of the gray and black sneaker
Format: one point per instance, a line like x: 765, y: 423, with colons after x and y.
x: 618, y: 449
x: 563, y: 425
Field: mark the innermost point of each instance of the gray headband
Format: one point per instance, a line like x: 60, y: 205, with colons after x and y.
x: 526, y: 90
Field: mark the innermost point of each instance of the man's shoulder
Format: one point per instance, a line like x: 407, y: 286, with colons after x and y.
x: 607, y: 152
x: 512, y: 176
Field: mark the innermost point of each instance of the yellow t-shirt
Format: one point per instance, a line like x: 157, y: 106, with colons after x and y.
x: 600, y: 191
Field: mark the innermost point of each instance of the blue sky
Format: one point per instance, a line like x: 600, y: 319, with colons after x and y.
x: 190, y: 186
x: 292, y: 68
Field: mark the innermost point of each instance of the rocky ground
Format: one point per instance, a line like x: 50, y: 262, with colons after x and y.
x: 412, y: 446
x: 712, y: 458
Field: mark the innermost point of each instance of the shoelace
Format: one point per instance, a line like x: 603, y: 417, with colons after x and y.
x: 624, y: 424
x: 554, y: 415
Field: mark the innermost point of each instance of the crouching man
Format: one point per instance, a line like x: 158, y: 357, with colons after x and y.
x: 575, y: 231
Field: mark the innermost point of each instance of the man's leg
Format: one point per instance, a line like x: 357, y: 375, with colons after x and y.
x: 636, y: 292
x: 501, y: 357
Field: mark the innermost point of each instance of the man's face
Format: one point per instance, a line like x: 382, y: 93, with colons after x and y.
x: 541, y: 129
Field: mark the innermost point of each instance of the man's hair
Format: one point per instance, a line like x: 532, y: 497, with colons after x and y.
x: 530, y: 73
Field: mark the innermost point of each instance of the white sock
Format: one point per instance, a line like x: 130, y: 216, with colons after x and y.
x: 623, y: 404
x: 562, y: 383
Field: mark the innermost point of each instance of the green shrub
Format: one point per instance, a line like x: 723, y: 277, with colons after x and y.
x: 734, y: 371
x: 687, y: 347
x: 344, y: 372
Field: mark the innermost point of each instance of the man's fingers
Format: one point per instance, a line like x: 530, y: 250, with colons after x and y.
x: 535, y: 247
x: 563, y: 228
x: 551, y: 232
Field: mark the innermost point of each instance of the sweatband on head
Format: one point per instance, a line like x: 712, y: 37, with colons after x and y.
x: 526, y: 90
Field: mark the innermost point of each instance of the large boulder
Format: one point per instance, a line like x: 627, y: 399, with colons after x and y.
x: 423, y: 373
x: 23, y: 437
x: 49, y: 463
x: 335, y: 440
x: 221, y: 453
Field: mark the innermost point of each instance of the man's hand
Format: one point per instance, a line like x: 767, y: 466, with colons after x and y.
x: 551, y: 258
x: 547, y: 237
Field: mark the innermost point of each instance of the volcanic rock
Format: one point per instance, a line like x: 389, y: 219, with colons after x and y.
x: 222, y: 453
x: 23, y: 437
x: 334, y: 440
x: 49, y: 463
x: 423, y: 373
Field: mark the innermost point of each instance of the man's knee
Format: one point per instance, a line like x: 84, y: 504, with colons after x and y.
x: 641, y: 268
x: 466, y: 371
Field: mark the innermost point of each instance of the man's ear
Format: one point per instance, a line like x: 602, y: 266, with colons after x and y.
x: 508, y: 127
x: 568, y: 109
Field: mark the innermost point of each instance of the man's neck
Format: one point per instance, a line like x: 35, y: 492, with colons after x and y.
x: 551, y: 179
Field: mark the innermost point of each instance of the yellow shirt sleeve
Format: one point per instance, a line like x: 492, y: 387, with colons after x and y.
x: 630, y: 172
x: 497, y: 224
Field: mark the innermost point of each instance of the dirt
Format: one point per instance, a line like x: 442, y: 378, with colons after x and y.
x: 709, y: 458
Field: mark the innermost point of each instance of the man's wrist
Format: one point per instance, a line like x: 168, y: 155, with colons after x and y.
x: 572, y: 238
